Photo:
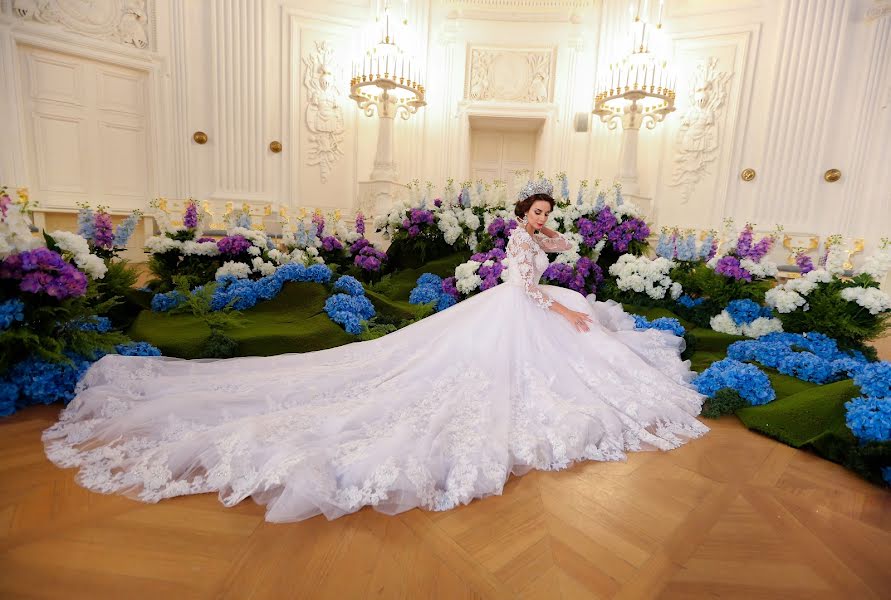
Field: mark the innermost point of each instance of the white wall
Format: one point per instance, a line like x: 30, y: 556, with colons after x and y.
x: 808, y: 87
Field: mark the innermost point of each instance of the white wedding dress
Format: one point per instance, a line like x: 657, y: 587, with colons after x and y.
x: 433, y: 415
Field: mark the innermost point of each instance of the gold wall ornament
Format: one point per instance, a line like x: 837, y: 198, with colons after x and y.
x: 275, y: 146
x: 747, y: 174
x: 832, y: 175
x: 200, y: 137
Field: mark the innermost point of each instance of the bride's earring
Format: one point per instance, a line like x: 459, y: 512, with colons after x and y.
x: 522, y: 222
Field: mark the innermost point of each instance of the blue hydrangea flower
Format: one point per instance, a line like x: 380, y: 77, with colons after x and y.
x: 10, y: 312
x: 750, y: 382
x: 875, y: 379
x: 743, y: 312
x: 167, y: 301
x: 807, y: 367
x: 318, y: 274
x: 349, y: 311
x: 290, y: 272
x: 350, y: 285
x: 424, y: 294
x: 95, y: 323
x: 445, y: 301
x: 869, y: 418
x: 137, y: 349
x: 43, y: 382
x: 662, y: 323
x: 689, y: 301
x: 9, y: 395
x: 430, y: 279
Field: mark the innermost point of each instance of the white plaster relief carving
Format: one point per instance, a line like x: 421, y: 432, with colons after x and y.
x: 698, y: 137
x: 324, y: 110
x: 122, y: 21
x: 510, y: 75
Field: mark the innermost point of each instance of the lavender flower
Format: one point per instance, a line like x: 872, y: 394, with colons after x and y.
x: 804, y: 262
x: 729, y: 266
x: 44, y: 271
x: 360, y: 223
x: 190, y: 218
x: 103, y: 236
x: 319, y: 221
x: 233, y: 245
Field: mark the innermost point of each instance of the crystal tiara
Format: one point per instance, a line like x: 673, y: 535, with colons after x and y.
x: 542, y: 186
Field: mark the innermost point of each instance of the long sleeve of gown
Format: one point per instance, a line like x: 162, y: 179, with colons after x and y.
x: 552, y: 244
x: 522, y: 254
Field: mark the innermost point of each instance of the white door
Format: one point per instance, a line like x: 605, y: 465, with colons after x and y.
x: 86, y: 129
x: 497, y: 154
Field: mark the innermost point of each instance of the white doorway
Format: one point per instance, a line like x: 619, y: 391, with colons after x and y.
x: 86, y: 131
x: 500, y: 146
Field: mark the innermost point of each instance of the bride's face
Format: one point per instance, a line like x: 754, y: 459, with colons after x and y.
x: 538, y: 213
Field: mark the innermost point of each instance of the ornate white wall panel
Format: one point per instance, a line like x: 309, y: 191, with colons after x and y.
x: 321, y: 119
x: 800, y: 119
x: 121, y: 21
x: 510, y: 74
x: 700, y: 138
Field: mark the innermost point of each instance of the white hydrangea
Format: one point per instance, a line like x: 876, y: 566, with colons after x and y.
x: 200, y: 248
x: 676, y: 290
x: 236, y: 269
x: 254, y: 251
x: 643, y: 275
x: 159, y: 244
x: 759, y: 270
x: 627, y: 209
x: 784, y: 300
x: 802, y: 286
x: 724, y: 323
x: 818, y: 276
x: 872, y: 299
x: 466, y: 279
x: 471, y: 220
x: 262, y: 267
x: 79, y: 249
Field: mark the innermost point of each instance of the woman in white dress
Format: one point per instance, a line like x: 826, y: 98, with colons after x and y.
x: 522, y: 376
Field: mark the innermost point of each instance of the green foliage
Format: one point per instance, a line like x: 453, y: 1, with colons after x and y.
x: 198, y: 304
x: 383, y: 323
x: 412, y: 252
x: 829, y: 313
x: 726, y: 401
x: 167, y: 266
x: 703, y: 281
x: 47, y: 331
x: 118, y: 285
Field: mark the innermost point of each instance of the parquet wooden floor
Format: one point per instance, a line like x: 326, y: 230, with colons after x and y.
x: 732, y: 515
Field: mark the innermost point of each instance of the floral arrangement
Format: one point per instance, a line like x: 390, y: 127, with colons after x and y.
x: 745, y: 317
x: 748, y: 381
x: 811, y: 357
x: 432, y: 289
x: 662, y: 324
x: 644, y: 277
x: 351, y: 307
x: 584, y: 277
x: 852, y: 310
x: 95, y: 228
x: 747, y: 259
x: 680, y: 246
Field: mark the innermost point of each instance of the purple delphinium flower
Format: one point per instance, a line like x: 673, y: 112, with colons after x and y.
x: 760, y: 250
x: 729, y: 266
x: 437, y: 203
x: 319, y: 221
x: 201, y: 240
x: 233, y: 245
x: 360, y: 223
x: 43, y: 270
x: 804, y: 262
x: 744, y: 242
x: 103, y: 235
x: 190, y: 219
x: 625, y: 232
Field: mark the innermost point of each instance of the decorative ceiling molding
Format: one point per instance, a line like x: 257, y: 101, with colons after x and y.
x: 519, y: 10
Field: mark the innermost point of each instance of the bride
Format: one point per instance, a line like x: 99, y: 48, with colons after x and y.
x: 522, y: 376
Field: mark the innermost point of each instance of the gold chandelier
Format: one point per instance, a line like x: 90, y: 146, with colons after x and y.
x: 385, y: 78
x: 639, y: 88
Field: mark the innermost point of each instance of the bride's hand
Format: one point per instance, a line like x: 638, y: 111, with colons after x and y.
x: 580, y: 320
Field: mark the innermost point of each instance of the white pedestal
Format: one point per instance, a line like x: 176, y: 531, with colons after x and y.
x: 376, y: 198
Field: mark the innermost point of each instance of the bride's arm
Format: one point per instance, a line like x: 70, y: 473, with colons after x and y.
x: 551, y: 241
x: 522, y: 253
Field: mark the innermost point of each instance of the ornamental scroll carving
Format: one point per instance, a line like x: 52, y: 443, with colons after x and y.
x: 324, y: 110
x: 122, y: 21
x: 507, y: 74
x: 698, y: 138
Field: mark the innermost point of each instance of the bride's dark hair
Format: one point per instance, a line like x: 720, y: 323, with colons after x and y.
x: 523, y: 206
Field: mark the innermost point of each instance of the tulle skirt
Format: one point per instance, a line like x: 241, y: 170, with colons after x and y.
x: 433, y: 415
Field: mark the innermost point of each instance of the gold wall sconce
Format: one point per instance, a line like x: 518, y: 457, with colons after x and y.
x: 832, y: 175
x: 200, y: 137
x: 747, y: 174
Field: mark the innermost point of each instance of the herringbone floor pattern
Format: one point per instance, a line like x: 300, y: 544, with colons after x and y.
x: 732, y: 515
